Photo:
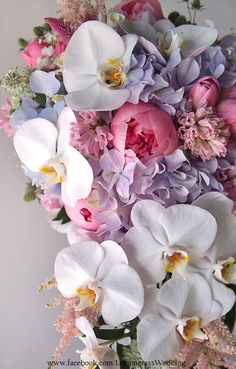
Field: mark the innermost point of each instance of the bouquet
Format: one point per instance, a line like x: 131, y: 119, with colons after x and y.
x: 125, y: 122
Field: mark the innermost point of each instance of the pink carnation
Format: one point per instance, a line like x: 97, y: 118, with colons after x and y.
x: 204, y: 133
x: 90, y: 135
x: 134, y: 9
x: 143, y: 130
x: 5, y: 117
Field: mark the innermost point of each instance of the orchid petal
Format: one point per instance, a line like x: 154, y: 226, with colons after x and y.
x: 35, y: 143
x: 76, y: 265
x: 123, y: 295
x: 83, y: 325
x: 79, y: 176
x: 129, y: 44
x: 65, y: 119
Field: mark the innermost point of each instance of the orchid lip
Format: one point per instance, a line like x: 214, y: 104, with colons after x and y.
x: 190, y: 329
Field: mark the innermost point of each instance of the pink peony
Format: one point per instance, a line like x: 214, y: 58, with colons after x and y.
x: 83, y: 214
x: 134, y: 9
x: 34, y: 52
x: 227, y: 107
x: 143, y: 130
x: 206, y: 91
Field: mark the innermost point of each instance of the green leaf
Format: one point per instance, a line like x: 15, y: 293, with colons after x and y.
x: 22, y: 44
x: 230, y: 318
x: 30, y: 192
x: 40, y: 99
x: 123, y: 363
x: 38, y: 31
x: 109, y: 334
x: 47, y: 27
x: 62, y: 216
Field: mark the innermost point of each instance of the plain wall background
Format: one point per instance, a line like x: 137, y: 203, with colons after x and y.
x: 28, y: 244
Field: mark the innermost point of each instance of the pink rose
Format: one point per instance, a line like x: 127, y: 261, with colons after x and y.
x: 205, y: 91
x: 143, y: 130
x: 227, y: 107
x: 85, y: 211
x: 134, y: 9
x: 34, y: 52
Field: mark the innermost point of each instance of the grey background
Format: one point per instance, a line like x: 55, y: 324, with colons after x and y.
x: 28, y: 244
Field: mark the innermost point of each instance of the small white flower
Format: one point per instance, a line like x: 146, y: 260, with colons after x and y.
x: 176, y: 313
x: 100, y: 276
x: 44, y: 149
x: 93, y: 353
x: 96, y: 62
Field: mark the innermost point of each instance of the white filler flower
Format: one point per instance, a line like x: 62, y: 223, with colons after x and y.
x: 45, y: 149
x: 96, y: 62
x: 100, y: 276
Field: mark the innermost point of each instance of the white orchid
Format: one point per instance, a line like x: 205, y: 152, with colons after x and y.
x: 165, y: 240
x: 45, y: 149
x: 176, y: 315
x: 100, y: 276
x: 94, y: 354
x: 96, y: 62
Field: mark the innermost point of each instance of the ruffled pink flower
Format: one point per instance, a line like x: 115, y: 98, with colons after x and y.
x: 5, y: 117
x: 134, y: 9
x: 50, y: 203
x: 143, y: 130
x: 90, y: 135
x: 34, y: 53
x: 205, y: 91
x: 204, y: 133
x: 227, y: 107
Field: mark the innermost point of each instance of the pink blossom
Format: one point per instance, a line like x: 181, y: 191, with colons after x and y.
x: 143, y: 130
x: 90, y: 135
x: 134, y: 9
x: 5, y: 117
x: 227, y: 107
x: 206, y: 91
x: 204, y: 133
x: 50, y: 203
x: 34, y: 52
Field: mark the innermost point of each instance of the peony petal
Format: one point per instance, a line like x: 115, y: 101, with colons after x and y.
x: 221, y: 208
x: 76, y: 265
x: 35, y: 143
x: 90, y: 47
x: 113, y: 254
x: 79, y: 177
x: 144, y: 254
x: 44, y: 83
x: 157, y: 338
x: 64, y: 127
x: 123, y: 295
x: 97, y: 97
x: 195, y: 38
x: 186, y: 226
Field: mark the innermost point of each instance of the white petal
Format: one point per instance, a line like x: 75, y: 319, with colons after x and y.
x: 113, y: 254
x: 157, y: 338
x: 77, y: 265
x: 35, y: 143
x: 146, y: 213
x: 83, y: 325
x: 187, y: 226
x: 183, y: 297
x: 123, y: 295
x: 97, y: 97
x: 222, y: 209
x: 144, y: 254
x: 150, y: 301
x: 65, y: 119
x: 79, y: 177
x: 129, y: 44
x: 195, y: 38
x: 90, y: 46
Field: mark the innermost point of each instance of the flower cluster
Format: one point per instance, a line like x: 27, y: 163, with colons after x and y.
x: 125, y: 125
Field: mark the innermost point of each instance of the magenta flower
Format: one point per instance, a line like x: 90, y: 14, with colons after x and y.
x: 204, y: 133
x: 90, y: 135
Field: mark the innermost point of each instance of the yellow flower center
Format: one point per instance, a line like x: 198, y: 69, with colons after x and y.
x: 112, y: 73
x: 228, y: 270
x: 54, y: 172
x: 189, y: 329
x: 88, y: 297
x: 177, y: 261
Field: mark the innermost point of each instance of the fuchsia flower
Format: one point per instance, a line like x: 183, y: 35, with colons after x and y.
x: 90, y: 135
x: 204, y: 133
x: 205, y: 91
x: 34, y: 52
x: 143, y: 130
x: 227, y: 107
x: 134, y: 9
